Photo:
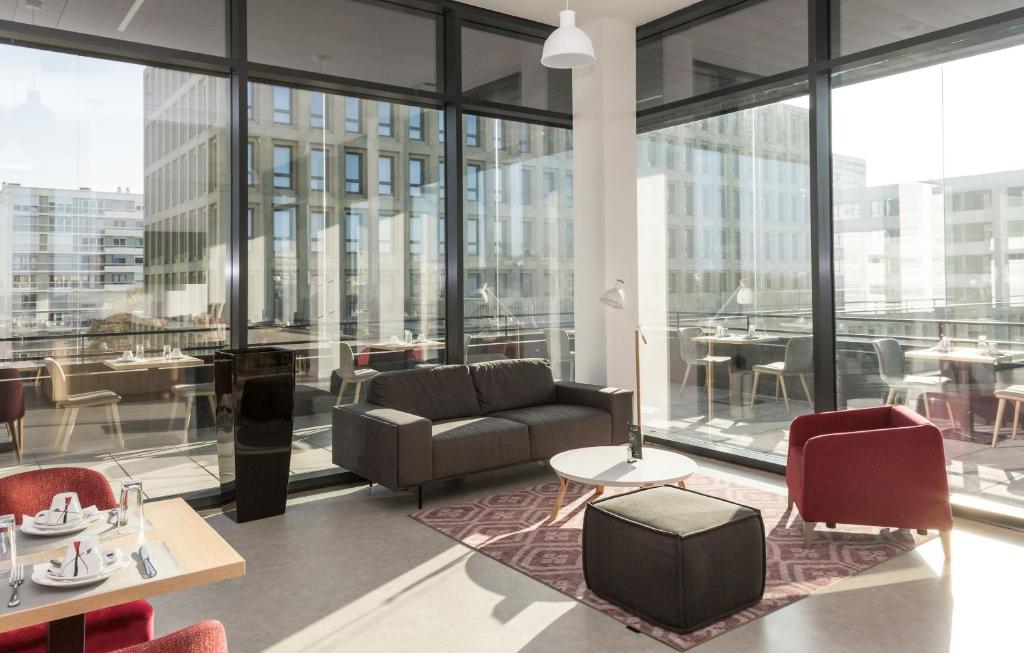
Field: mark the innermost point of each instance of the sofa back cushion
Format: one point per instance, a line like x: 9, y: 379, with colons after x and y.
x: 509, y: 384
x: 444, y: 392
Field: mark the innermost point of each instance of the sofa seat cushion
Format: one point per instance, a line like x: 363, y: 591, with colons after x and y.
x: 437, y: 393
x: 555, y: 428
x: 507, y: 384
x: 462, y: 446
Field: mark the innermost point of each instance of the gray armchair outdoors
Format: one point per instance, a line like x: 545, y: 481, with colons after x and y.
x: 797, y: 361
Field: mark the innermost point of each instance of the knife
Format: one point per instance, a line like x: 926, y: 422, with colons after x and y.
x: 150, y: 569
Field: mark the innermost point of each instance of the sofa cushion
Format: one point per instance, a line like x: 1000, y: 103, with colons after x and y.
x: 438, y: 393
x: 507, y: 384
x: 555, y: 428
x: 469, y: 445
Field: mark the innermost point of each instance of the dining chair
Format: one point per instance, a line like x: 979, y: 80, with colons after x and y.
x: 892, y: 367
x: 693, y: 353
x: 560, y: 351
x: 73, y: 403
x: 797, y: 361
x: 12, y: 407
x: 348, y: 373
x: 27, y: 493
x: 204, y: 637
x: 189, y: 392
x: 1015, y: 394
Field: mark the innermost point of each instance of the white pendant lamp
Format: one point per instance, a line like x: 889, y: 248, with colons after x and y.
x: 568, y: 46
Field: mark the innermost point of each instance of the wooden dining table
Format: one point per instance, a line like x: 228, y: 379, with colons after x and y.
x: 711, y: 359
x: 193, y: 554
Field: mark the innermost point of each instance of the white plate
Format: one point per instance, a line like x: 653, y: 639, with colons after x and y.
x: 30, y: 528
x: 40, y: 577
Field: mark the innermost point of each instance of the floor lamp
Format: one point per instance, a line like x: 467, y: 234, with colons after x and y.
x: 616, y: 298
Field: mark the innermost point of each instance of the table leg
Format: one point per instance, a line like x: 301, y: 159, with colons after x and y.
x: 682, y: 484
x: 66, y: 635
x: 563, y: 485
x: 599, y: 489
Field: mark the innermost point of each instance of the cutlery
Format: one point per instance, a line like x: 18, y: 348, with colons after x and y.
x: 150, y: 569
x: 17, y: 578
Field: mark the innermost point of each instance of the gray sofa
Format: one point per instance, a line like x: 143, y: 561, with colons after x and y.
x: 429, y: 424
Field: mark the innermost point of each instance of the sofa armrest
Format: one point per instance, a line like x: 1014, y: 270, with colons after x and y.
x: 383, y: 445
x: 615, y: 401
x: 807, y: 426
x: 884, y: 477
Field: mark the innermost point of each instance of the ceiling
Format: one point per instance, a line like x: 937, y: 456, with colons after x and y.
x: 634, y: 12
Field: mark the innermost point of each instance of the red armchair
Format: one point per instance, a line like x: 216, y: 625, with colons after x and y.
x: 114, y: 627
x: 880, y: 466
x: 204, y: 637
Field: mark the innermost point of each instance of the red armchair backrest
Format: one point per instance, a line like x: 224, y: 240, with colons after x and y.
x: 12, y: 395
x: 29, y: 492
x: 204, y: 637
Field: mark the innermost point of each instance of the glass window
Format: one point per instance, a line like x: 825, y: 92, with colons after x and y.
x: 353, y: 115
x: 385, y: 119
x: 416, y: 123
x: 317, y: 110
x: 385, y: 175
x: 729, y: 280
x: 746, y: 43
x: 417, y: 170
x: 250, y: 168
x: 331, y: 266
x: 926, y: 246
x: 508, y: 315
x: 282, y: 166
x: 354, y: 172
x: 505, y: 68
x: 317, y: 169
x: 381, y: 43
x: 113, y: 235
x: 282, y: 105
x: 472, y: 130
x: 195, y: 26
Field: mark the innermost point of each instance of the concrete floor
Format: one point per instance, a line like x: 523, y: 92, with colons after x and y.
x: 348, y: 570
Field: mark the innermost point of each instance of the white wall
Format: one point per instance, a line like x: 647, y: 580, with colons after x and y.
x: 604, y: 136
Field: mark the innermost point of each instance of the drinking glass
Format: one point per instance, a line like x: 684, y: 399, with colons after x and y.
x: 129, y: 515
x: 167, y: 352
x: 983, y: 343
x: 7, y: 542
x: 140, y: 351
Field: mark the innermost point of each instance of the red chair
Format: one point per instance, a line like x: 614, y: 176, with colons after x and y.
x: 114, y: 627
x: 204, y: 637
x: 12, y: 407
x: 880, y: 466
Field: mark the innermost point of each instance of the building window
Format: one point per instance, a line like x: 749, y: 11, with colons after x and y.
x: 355, y: 221
x: 354, y: 173
x: 526, y: 176
x: 524, y: 138
x: 417, y: 168
x: 385, y: 175
x: 473, y: 182
x: 440, y: 179
x: 385, y: 228
x: 282, y: 166
x: 317, y: 169
x: 250, y: 163
x: 353, y: 115
x: 317, y: 110
x: 316, y: 230
x: 250, y: 101
x: 282, y: 105
x: 385, y: 119
x: 472, y: 237
x: 415, y: 235
x: 472, y: 131
x: 499, y: 135
x: 284, y: 230
x: 416, y: 123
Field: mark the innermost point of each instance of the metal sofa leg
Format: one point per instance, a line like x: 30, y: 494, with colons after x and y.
x: 419, y: 497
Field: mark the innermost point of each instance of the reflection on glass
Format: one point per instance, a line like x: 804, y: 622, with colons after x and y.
x: 346, y: 250
x: 929, y: 238
x: 113, y: 241
x: 725, y: 276
x: 518, y: 244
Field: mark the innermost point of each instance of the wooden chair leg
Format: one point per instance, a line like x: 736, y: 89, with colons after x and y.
x: 115, y: 416
x: 21, y: 437
x: 174, y: 413
x: 947, y: 543
x: 72, y: 416
x: 777, y: 388
x: 807, y: 390
x: 1000, y: 409
x: 686, y: 377
x: 213, y: 407
x: 753, y: 388
x: 808, y: 532
x: 1016, y: 420
x: 359, y: 388
x: 949, y: 413
x: 785, y: 393
x: 927, y: 406
x: 890, y: 396
x: 341, y: 392
x: 190, y: 404
x: 12, y: 428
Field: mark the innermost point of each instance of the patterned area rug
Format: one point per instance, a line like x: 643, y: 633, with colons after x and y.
x: 515, y: 528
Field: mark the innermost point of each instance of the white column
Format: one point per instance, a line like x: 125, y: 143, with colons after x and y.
x: 604, y: 141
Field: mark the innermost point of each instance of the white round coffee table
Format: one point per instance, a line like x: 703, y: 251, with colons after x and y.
x: 607, y: 466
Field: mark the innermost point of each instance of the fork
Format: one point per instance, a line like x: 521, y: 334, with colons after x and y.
x: 17, y: 578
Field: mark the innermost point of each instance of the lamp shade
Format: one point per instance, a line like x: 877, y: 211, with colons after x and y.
x: 744, y: 294
x: 568, y: 46
x: 615, y: 297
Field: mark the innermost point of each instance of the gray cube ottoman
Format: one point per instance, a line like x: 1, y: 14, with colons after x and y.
x: 677, y: 558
